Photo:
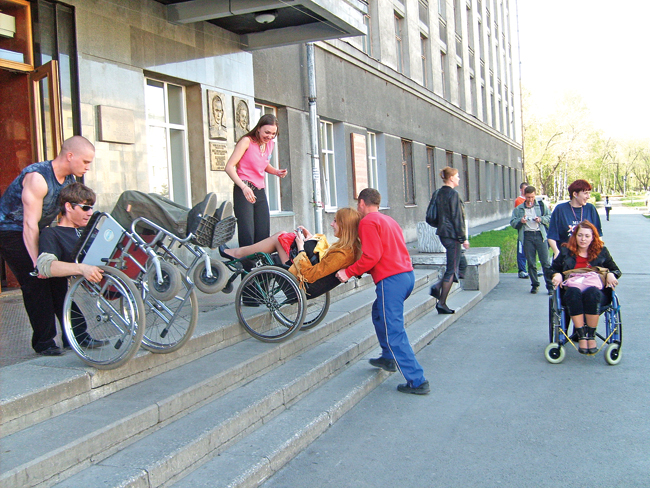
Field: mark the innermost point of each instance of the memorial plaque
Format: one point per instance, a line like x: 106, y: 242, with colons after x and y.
x: 218, y: 153
x: 217, y: 115
x: 359, y: 163
x: 116, y: 125
x: 242, y: 117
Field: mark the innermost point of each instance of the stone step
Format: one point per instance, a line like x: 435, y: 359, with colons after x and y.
x: 42, y: 388
x: 166, y: 455
x: 61, y: 445
x: 253, y: 460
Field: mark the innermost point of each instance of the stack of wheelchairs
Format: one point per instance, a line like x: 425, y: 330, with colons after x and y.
x: 558, y: 330
x: 147, y: 296
x: 147, y: 292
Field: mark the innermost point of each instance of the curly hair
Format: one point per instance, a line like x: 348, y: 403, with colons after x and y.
x: 596, y: 244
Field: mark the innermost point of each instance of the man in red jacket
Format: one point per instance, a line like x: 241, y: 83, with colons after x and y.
x: 387, y: 260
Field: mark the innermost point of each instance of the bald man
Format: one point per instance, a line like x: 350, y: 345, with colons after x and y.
x: 29, y: 205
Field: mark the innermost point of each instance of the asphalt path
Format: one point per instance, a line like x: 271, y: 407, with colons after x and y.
x: 499, y: 414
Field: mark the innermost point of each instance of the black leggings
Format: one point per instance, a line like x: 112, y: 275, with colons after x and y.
x: 587, y: 302
x: 253, y: 219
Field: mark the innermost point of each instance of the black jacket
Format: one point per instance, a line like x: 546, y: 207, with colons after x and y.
x: 451, y: 214
x: 566, y: 261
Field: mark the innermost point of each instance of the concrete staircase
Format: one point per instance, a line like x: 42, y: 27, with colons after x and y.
x: 225, y: 410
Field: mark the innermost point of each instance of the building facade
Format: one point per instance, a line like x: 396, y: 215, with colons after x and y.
x: 164, y: 89
x: 433, y: 84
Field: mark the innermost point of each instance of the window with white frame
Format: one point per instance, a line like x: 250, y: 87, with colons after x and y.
x: 371, y: 152
x: 328, y: 163
x: 272, y: 183
x: 167, y: 140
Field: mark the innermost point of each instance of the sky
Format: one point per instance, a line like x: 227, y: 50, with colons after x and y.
x: 599, y: 49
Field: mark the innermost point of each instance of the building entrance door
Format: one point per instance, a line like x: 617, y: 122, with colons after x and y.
x: 30, y: 116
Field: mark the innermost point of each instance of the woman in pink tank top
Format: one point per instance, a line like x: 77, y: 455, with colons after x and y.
x: 246, y: 167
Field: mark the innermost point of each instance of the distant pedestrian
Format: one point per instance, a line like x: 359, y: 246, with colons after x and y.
x: 566, y: 216
x: 453, y: 236
x: 531, y: 219
x: 608, y: 207
x: 521, y: 257
x: 385, y: 257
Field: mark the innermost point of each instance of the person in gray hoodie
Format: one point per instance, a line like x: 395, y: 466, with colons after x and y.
x: 531, y: 219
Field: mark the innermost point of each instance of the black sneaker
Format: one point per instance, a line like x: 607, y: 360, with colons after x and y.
x: 51, y: 351
x: 423, y: 389
x: 533, y: 290
x: 383, y: 363
x: 206, y: 207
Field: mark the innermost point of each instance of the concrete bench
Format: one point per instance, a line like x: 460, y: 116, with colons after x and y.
x: 482, y: 262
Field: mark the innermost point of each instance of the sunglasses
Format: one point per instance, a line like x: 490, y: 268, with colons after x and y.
x: 85, y: 208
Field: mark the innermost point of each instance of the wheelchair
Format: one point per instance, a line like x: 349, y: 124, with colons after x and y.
x: 147, y: 295
x: 270, y: 304
x: 558, y: 327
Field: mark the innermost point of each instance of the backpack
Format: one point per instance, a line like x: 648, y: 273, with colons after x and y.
x: 432, y: 210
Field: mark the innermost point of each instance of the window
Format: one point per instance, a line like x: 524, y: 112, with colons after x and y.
x: 398, y: 42
x: 489, y: 182
x: 466, y: 178
x: 450, y: 159
x: 431, y: 169
x: 423, y: 10
x: 327, y: 162
x: 477, y: 177
x: 167, y: 140
x: 371, y: 152
x: 407, y: 172
x: 367, y: 39
x: 272, y: 183
x: 424, y: 54
x: 443, y: 74
x: 461, y: 87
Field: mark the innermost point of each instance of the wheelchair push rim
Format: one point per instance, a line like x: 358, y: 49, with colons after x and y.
x: 113, y: 313
x: 270, y: 304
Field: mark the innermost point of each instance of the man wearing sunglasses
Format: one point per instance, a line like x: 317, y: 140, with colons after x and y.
x: 29, y: 204
x: 56, y: 259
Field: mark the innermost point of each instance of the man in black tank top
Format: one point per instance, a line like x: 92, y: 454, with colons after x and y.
x: 28, y: 205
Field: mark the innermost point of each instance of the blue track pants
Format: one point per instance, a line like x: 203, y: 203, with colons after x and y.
x: 388, y: 318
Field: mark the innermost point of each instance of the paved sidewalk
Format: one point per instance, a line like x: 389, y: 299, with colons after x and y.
x: 499, y: 414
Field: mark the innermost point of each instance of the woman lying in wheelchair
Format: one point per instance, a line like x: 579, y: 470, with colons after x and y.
x: 315, y: 269
x: 584, y: 270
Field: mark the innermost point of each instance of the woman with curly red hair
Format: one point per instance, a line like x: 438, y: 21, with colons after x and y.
x: 585, y: 249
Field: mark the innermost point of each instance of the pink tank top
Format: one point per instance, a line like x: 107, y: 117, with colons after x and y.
x: 253, y: 163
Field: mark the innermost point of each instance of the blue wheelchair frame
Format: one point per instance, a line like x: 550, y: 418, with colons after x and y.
x: 559, y: 320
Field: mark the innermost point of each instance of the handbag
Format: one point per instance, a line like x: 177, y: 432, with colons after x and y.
x: 432, y: 210
x: 583, y: 278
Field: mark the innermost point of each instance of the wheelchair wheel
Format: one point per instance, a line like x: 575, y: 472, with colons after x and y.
x: 269, y: 303
x: 212, y: 285
x: 170, y: 323
x: 316, y: 310
x: 112, y: 314
x: 613, y: 354
x: 554, y: 353
x: 171, y: 284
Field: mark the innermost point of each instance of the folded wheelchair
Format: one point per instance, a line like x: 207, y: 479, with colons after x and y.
x: 147, y: 292
x: 558, y: 330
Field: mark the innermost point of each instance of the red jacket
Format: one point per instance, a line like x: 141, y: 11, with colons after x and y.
x: 384, y: 250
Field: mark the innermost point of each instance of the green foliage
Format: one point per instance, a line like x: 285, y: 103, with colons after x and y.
x: 506, y: 240
x: 596, y: 196
x: 633, y: 202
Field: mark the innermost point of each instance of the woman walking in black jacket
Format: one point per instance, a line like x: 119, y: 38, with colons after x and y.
x: 451, y: 230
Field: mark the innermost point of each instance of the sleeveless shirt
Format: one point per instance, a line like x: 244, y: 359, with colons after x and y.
x: 253, y: 163
x: 11, y: 203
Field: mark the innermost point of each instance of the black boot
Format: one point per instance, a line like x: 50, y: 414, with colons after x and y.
x: 590, y: 335
x: 582, y: 335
